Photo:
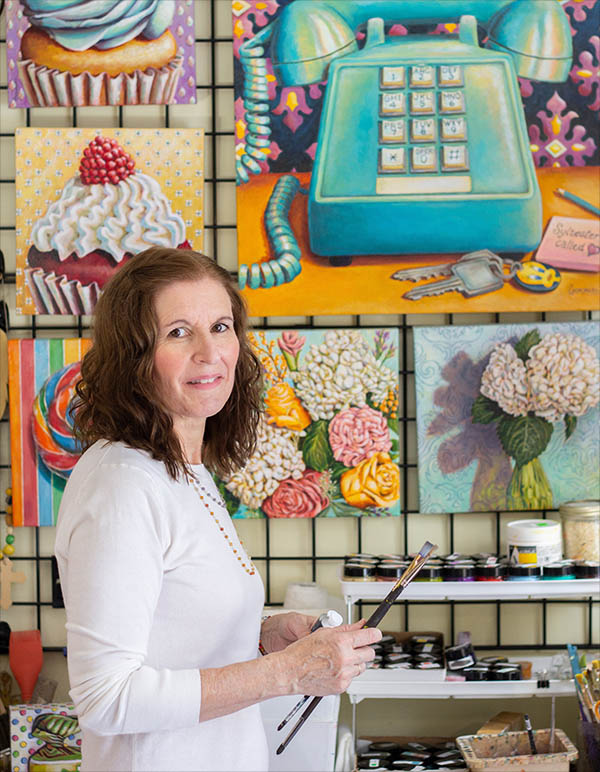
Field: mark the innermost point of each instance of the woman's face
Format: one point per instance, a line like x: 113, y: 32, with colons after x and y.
x: 196, y: 355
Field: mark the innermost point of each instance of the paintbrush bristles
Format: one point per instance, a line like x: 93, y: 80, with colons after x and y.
x: 417, y: 563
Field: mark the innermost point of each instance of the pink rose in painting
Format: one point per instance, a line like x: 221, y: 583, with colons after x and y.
x: 297, y: 498
x: 357, y: 433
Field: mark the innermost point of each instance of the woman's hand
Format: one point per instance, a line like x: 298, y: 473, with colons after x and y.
x: 280, y: 630
x: 326, y: 661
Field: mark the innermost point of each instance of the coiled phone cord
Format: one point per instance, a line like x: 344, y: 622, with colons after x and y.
x: 286, y: 264
x: 256, y: 105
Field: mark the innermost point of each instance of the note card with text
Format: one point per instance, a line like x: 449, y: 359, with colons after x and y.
x: 571, y: 244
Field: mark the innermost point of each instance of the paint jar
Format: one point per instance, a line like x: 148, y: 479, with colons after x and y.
x: 490, y: 573
x: 388, y: 746
x: 581, y: 529
x: 429, y: 574
x: 459, y: 573
x: 390, y: 572
x: 587, y: 569
x: 563, y: 570
x: 476, y: 673
x: 494, y: 659
x: 533, y: 541
x: 461, y: 656
x: 359, y: 572
x: 524, y: 573
x: 505, y: 673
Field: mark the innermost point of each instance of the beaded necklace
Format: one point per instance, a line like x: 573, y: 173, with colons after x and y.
x: 203, y: 493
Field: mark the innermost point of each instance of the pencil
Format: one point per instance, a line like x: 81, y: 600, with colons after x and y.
x: 579, y: 201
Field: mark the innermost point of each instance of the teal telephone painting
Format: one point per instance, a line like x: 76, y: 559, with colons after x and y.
x: 365, y: 142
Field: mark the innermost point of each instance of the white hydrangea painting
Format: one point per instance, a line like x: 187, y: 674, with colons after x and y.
x: 508, y: 416
x: 328, y: 439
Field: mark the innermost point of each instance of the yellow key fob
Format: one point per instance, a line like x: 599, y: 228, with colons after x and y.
x: 537, y: 277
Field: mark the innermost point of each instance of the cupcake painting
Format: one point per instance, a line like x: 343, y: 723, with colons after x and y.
x: 100, y: 52
x: 87, y: 200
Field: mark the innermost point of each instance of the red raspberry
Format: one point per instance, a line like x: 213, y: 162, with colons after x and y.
x: 105, y: 162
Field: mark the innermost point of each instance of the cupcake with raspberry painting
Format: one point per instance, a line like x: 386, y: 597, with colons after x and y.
x: 106, y: 213
x: 99, y: 52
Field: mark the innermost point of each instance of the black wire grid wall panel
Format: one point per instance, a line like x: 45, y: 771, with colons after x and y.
x: 214, y: 227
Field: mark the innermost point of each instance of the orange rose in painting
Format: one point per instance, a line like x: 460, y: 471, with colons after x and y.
x: 375, y: 482
x: 285, y: 409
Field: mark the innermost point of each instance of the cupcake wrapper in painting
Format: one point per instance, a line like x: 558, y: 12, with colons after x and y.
x: 51, y: 88
x: 87, y: 200
x: 507, y: 416
x: 42, y: 378
x: 124, y: 54
x: 328, y: 438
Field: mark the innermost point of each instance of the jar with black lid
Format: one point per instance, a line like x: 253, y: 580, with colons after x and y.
x: 505, y: 673
x: 389, y: 572
x: 429, y: 574
x: 359, y: 572
x: 459, y: 573
x: 524, y: 572
x: 485, y: 572
x: 476, y: 673
x: 563, y: 570
x: 587, y: 569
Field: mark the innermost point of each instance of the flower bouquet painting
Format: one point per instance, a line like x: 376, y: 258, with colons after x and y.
x: 507, y: 416
x: 328, y: 436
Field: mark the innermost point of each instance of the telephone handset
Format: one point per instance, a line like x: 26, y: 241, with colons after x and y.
x: 422, y: 142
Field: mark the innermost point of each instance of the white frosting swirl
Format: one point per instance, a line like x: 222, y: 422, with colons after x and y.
x: 128, y: 217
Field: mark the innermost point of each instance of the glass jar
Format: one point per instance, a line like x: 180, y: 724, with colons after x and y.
x: 581, y: 529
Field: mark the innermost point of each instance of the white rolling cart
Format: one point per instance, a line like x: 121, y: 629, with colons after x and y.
x: 398, y: 684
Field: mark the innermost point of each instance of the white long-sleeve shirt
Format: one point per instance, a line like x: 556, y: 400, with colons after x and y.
x: 153, y: 593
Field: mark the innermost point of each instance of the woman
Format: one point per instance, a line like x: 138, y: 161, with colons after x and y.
x: 163, y: 603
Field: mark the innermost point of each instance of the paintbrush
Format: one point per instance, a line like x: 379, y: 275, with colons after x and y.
x: 413, y: 569
x: 328, y: 619
x: 530, y: 734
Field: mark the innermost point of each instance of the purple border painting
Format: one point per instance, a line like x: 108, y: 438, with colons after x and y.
x: 180, y: 89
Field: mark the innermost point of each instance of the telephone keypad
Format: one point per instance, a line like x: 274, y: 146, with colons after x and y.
x: 393, y: 103
x: 423, y: 159
x: 393, y: 131
x: 454, y: 129
x: 425, y: 150
x: 452, y: 101
x: 422, y: 130
x: 454, y: 158
x: 422, y: 76
x: 392, y: 77
x: 392, y: 159
x: 450, y: 75
x: 422, y: 102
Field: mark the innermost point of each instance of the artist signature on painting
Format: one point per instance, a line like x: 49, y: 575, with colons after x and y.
x: 583, y: 290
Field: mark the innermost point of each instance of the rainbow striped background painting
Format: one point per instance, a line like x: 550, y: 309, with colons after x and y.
x: 37, y: 427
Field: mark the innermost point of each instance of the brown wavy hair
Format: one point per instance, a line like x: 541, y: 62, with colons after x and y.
x: 118, y: 399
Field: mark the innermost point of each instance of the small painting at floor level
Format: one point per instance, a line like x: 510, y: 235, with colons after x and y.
x: 507, y: 416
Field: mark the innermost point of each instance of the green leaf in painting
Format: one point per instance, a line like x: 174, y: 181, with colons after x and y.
x: 231, y: 502
x: 570, y: 424
x: 316, y: 451
x: 484, y: 410
x: 337, y: 469
x: 342, y: 509
x: 528, y: 340
x: 524, y: 437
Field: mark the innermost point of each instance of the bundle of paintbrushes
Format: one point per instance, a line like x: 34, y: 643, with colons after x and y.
x: 587, y: 684
x: 386, y: 604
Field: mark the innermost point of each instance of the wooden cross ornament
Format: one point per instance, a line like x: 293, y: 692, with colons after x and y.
x: 7, y: 578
